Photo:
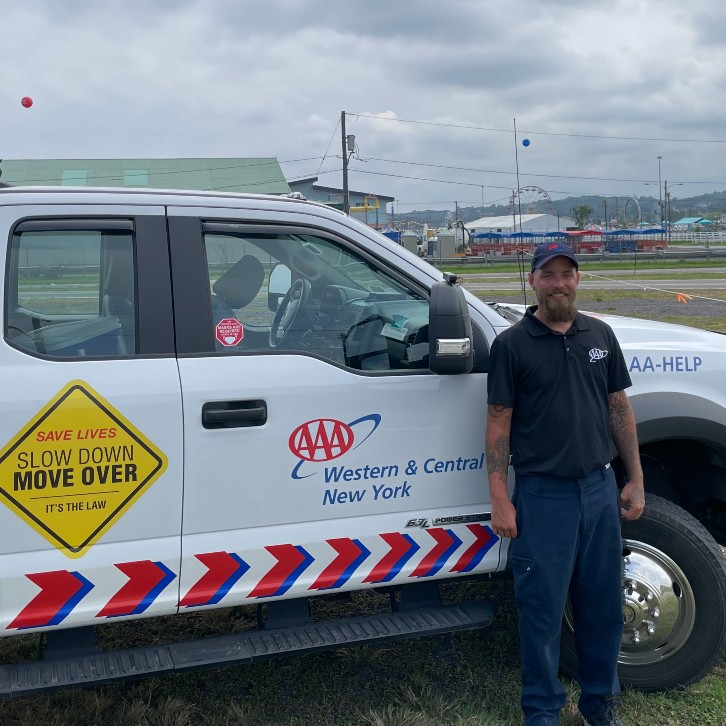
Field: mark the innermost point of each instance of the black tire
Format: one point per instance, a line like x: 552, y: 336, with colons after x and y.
x: 672, y: 564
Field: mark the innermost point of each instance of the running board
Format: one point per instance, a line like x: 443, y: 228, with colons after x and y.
x: 97, y: 669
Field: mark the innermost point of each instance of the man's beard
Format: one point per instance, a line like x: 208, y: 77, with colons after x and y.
x: 558, y: 309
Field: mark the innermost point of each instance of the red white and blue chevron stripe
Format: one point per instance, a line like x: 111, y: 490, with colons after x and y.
x: 339, y: 563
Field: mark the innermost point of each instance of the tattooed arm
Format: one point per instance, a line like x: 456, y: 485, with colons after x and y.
x: 499, y: 425
x: 622, y: 422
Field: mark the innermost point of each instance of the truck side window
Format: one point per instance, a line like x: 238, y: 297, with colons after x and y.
x: 71, y: 293
x: 339, y: 305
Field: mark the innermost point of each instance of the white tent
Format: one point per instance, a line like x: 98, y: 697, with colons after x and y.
x: 535, y: 223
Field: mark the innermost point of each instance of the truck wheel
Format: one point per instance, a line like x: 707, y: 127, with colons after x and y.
x: 674, y: 601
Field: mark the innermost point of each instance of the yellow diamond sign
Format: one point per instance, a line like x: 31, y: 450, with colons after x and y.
x: 76, y: 468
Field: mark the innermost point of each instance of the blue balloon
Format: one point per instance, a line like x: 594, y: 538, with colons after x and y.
x: 525, y: 142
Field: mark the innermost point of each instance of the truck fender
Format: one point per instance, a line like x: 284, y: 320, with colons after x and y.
x: 669, y: 415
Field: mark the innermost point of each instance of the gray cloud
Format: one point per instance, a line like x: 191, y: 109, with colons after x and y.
x: 227, y: 78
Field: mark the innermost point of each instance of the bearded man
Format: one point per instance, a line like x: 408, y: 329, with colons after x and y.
x: 556, y: 403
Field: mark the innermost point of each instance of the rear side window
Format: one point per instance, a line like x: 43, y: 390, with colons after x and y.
x: 70, y: 293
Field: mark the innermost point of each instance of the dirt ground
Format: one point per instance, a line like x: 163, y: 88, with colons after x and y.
x: 657, y: 309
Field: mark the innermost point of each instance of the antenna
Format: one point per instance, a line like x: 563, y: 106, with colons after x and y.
x: 520, y: 251
x: 516, y: 164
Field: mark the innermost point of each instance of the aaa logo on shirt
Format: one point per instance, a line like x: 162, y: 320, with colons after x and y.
x: 597, y: 354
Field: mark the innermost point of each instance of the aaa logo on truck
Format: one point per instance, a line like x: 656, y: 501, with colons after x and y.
x: 75, y: 468
x: 325, y: 439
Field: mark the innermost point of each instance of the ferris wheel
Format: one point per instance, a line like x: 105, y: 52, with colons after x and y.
x: 637, y: 216
x: 530, y: 200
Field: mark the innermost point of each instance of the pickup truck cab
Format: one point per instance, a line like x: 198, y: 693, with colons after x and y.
x: 220, y: 400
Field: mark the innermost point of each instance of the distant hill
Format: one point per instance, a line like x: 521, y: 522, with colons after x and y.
x: 710, y: 204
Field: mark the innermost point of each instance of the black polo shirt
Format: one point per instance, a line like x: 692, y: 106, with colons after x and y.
x: 558, y: 386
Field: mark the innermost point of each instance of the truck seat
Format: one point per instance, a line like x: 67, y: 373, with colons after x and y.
x: 236, y: 287
x: 118, y: 298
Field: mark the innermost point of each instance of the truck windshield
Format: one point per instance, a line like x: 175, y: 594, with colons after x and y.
x: 358, y: 271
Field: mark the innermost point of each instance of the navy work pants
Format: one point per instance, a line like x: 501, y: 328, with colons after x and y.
x: 569, y: 541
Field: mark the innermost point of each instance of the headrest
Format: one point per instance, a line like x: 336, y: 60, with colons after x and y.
x: 239, y: 285
x: 120, y: 277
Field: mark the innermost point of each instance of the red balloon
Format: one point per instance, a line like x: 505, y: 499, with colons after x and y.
x: 26, y: 101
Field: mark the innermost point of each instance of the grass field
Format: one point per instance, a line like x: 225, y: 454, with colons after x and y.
x: 469, y: 679
x: 706, y: 309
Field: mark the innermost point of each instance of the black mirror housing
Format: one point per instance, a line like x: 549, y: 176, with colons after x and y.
x: 451, y: 342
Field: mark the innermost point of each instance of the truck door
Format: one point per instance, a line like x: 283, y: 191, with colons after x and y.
x: 91, y: 431
x: 320, y: 451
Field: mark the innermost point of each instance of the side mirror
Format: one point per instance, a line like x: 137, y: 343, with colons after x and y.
x: 451, y: 343
x: 278, y: 285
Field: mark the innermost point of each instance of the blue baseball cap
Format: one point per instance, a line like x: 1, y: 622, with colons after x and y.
x: 545, y: 252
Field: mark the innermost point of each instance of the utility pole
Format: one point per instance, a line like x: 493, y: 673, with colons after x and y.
x: 605, y: 202
x: 344, y: 139
x: 668, y: 215
x: 456, y: 228
x: 660, y: 194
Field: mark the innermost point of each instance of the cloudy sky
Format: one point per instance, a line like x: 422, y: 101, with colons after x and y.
x: 432, y: 88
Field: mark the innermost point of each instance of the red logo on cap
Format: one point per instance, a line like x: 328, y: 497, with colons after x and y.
x: 554, y: 246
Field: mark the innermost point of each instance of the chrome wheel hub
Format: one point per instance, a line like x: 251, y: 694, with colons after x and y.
x: 659, y: 608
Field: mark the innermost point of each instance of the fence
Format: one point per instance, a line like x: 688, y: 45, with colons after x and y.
x: 698, y: 238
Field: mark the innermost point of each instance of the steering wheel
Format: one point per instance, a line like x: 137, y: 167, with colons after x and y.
x: 295, y: 300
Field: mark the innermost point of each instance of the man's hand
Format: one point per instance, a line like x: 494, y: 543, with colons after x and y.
x: 504, y: 523
x: 632, y: 500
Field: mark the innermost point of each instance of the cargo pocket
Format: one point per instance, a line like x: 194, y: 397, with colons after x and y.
x: 526, y: 582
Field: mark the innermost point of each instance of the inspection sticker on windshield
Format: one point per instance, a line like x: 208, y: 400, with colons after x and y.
x: 75, y: 468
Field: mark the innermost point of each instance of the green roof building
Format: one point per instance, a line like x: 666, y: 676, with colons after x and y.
x: 260, y: 176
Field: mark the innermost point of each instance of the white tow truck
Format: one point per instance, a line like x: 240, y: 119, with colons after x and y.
x: 214, y: 400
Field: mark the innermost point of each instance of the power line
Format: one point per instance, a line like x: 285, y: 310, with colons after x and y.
x: 492, y: 186
x: 335, y: 130
x: 462, y: 202
x: 438, y: 181
x: 511, y: 173
x: 471, y: 184
x: 307, y: 176
x: 540, y: 133
x: 529, y: 174
x: 485, y: 186
x: 487, y: 171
